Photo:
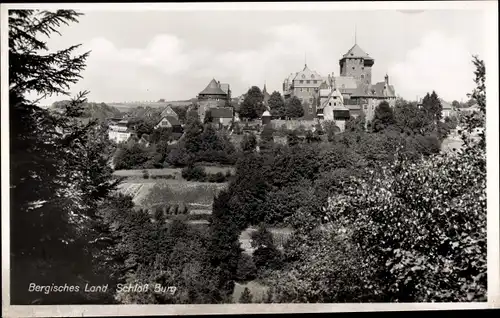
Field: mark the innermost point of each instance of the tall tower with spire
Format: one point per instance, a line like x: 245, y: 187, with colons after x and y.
x: 357, y: 63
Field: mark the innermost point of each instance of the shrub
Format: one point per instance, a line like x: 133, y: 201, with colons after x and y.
x: 195, y: 173
x: 145, y: 174
x: 246, y: 297
x: 218, y: 177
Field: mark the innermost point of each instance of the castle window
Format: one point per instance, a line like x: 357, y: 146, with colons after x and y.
x: 330, y: 104
x: 362, y: 76
x: 334, y: 104
x: 301, y: 82
x: 308, y: 81
x: 303, y: 76
x: 353, y: 67
x: 315, y: 81
x: 312, y: 75
x: 362, y: 67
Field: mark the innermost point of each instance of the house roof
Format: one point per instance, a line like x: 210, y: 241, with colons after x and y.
x: 225, y: 87
x: 357, y: 52
x: 445, y: 104
x: 172, y: 120
x: 376, y: 90
x: 379, y: 89
x: 168, y: 111
x: 307, y: 74
x: 345, y: 84
x: 334, y: 93
x: 213, y: 88
x: 221, y: 112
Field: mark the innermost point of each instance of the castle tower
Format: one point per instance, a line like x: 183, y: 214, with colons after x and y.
x: 358, y: 64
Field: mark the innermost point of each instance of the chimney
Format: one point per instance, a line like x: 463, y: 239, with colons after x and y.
x: 386, y: 79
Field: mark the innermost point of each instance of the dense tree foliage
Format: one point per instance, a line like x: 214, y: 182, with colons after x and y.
x: 277, y: 105
x: 252, y: 106
x: 384, y: 117
x: 293, y: 108
x: 432, y: 107
x: 202, y: 143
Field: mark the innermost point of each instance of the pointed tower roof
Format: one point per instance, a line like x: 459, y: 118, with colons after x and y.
x: 357, y: 52
x: 213, y: 88
x: 266, y: 94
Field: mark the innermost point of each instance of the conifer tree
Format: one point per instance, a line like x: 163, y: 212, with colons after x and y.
x: 246, y: 297
x: 59, y: 173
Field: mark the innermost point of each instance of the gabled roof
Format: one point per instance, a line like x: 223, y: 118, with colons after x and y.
x: 307, y: 74
x: 334, y: 93
x: 221, y: 112
x: 445, y: 104
x: 225, y: 87
x: 357, y: 52
x: 168, y: 111
x: 379, y: 89
x: 172, y: 120
x: 376, y: 90
x: 213, y: 88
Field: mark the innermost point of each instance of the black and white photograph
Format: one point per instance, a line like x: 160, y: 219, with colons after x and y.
x: 249, y: 155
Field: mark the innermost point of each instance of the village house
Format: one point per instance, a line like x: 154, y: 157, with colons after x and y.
x: 118, y: 131
x: 332, y: 108
x: 448, y: 109
x: 222, y: 117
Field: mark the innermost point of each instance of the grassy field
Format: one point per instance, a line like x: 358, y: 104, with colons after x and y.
x: 152, y: 192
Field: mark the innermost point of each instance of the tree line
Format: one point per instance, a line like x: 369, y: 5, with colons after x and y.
x: 253, y: 105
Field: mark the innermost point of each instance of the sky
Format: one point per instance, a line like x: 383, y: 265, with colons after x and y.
x: 149, y: 55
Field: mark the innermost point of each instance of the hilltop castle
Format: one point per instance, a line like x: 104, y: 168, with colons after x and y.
x: 353, y: 90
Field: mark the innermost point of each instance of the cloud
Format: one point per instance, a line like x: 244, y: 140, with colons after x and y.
x: 438, y: 63
x: 167, y: 67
